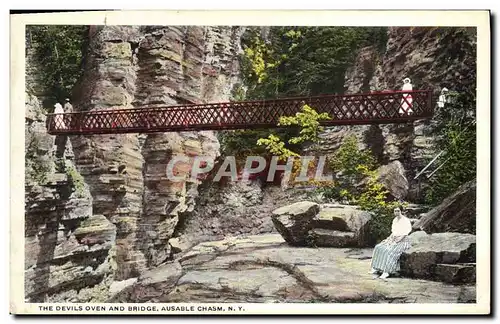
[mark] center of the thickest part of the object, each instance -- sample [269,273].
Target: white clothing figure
[59,118]
[387,253]
[442,97]
[406,102]
[68,107]
[401,225]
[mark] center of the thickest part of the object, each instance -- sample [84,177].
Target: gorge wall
[128,209]
[432,58]
[100,209]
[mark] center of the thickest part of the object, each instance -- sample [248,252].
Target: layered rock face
[150,66]
[432,58]
[112,164]
[457,213]
[225,209]
[69,250]
[101,208]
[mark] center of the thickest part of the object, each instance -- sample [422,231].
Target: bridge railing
[367,108]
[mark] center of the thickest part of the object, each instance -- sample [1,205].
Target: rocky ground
[102,220]
[263,268]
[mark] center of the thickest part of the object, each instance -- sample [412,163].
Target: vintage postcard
[250,162]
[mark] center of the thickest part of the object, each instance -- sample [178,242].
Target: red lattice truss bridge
[352,109]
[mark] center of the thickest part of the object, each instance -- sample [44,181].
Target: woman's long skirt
[406,105]
[386,256]
[59,122]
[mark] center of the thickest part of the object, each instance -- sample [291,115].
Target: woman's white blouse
[401,226]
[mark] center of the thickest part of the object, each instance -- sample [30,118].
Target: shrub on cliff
[295,61]
[356,183]
[456,136]
[58,51]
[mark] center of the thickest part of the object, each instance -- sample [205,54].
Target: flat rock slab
[260,281]
[429,250]
[263,268]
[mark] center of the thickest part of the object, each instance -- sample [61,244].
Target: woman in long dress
[59,117]
[386,254]
[407,101]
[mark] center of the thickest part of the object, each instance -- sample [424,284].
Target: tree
[296,61]
[58,50]
[309,122]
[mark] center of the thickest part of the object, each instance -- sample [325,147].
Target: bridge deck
[352,109]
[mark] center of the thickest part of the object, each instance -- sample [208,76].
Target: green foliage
[58,51]
[308,122]
[238,93]
[75,179]
[351,166]
[457,137]
[297,61]
[37,168]
[256,60]
[304,60]
[374,199]
[356,182]
[241,143]
[276,147]
[352,161]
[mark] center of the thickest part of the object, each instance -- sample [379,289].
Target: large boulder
[456,273]
[294,221]
[330,238]
[440,256]
[392,176]
[341,226]
[457,213]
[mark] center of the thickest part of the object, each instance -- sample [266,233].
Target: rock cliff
[150,66]
[457,213]
[101,212]
[69,249]
[124,210]
[432,58]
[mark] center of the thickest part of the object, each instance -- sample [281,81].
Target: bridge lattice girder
[351,109]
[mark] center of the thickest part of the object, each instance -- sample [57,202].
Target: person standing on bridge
[442,97]
[407,101]
[386,254]
[59,117]
[68,108]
